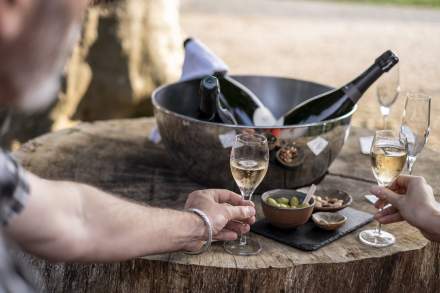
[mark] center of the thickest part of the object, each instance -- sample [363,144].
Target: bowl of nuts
[330,199]
[290,156]
[284,208]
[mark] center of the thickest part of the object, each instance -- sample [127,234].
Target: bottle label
[317,145]
[227,139]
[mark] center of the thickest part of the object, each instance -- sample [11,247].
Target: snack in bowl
[288,153]
[330,199]
[284,202]
[328,202]
[290,156]
[283,208]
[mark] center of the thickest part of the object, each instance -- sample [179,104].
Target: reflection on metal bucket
[201,149]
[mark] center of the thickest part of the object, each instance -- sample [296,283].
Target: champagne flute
[388,89]
[249,162]
[388,158]
[416,125]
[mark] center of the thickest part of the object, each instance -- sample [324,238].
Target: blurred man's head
[36,37]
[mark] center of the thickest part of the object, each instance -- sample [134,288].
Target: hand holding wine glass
[416,125]
[411,199]
[249,162]
[388,158]
[223,208]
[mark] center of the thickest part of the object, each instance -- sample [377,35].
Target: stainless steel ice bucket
[201,149]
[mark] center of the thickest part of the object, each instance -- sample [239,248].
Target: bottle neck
[207,103]
[358,86]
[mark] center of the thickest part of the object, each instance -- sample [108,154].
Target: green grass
[426,3]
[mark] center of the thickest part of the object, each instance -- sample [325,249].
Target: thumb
[240,212]
[386,194]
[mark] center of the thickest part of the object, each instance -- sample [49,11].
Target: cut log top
[118,157]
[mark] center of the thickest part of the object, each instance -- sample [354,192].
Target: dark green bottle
[338,102]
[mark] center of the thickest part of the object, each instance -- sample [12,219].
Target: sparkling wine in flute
[248,174]
[388,162]
[338,102]
[249,162]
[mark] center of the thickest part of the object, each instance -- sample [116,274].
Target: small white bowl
[329,221]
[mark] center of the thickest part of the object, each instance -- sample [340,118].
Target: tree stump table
[118,157]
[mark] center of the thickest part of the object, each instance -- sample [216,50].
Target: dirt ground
[325,42]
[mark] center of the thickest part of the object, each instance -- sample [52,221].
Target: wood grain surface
[118,157]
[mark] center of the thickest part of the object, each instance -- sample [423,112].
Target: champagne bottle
[244,106]
[213,107]
[209,90]
[340,101]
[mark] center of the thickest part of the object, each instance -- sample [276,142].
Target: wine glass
[388,89]
[388,158]
[416,125]
[249,162]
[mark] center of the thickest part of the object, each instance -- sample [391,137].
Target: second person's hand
[411,199]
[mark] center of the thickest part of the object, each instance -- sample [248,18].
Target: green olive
[294,202]
[303,205]
[270,201]
[283,200]
[284,205]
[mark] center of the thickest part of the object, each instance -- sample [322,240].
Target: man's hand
[226,210]
[66,221]
[411,199]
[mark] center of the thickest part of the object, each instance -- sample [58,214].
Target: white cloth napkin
[200,61]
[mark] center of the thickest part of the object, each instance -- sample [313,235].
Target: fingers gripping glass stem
[388,158]
[249,162]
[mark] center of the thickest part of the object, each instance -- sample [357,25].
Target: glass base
[373,238]
[252,247]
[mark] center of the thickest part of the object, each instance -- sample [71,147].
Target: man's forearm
[134,229]
[91,225]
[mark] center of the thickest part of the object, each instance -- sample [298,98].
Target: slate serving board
[309,237]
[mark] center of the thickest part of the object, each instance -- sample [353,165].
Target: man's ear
[13,15]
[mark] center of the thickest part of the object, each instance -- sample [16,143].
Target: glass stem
[379,225]
[410,163]
[385,112]
[246,196]
[242,240]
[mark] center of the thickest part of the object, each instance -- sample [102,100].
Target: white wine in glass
[249,162]
[388,161]
[388,158]
[248,174]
